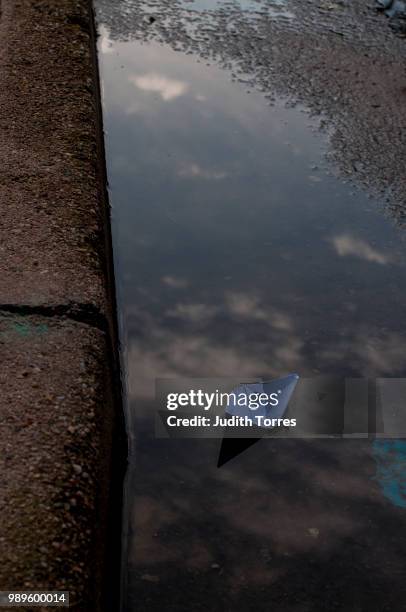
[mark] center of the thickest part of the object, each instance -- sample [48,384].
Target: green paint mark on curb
[27,329]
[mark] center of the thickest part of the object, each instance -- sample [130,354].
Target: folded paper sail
[278,392]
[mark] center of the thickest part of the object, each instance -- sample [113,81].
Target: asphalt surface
[237,258]
[60,395]
[342,60]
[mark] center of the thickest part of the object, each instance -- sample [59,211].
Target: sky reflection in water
[238,254]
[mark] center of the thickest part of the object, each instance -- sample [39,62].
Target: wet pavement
[254,156]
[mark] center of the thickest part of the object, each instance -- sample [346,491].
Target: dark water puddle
[240,253]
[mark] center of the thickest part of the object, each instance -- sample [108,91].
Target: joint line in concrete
[82,313]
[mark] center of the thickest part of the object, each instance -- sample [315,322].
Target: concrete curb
[62,444]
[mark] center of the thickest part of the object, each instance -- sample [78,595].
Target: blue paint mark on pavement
[390,457]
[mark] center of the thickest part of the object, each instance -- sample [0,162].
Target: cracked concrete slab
[51,225]
[55,415]
[61,433]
